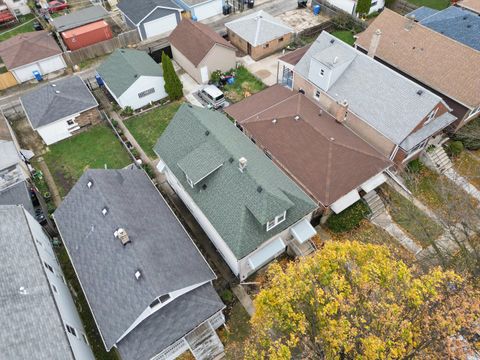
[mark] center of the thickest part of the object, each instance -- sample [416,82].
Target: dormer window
[278,220]
[431,116]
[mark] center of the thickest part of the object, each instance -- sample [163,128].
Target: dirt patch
[63,182]
[27,137]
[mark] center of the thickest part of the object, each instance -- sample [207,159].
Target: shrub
[363,6]
[215,77]
[415,166]
[148,169]
[227,296]
[469,135]
[128,111]
[173,85]
[348,219]
[454,148]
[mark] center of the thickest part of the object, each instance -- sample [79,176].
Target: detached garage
[150,17]
[201,9]
[27,53]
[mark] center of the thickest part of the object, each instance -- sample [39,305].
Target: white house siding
[214,236]
[19,7]
[44,66]
[160,26]
[207,9]
[64,301]
[130,96]
[57,130]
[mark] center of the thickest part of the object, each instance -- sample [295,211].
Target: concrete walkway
[385,222]
[244,298]
[462,183]
[47,175]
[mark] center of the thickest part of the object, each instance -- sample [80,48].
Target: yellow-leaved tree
[355,301]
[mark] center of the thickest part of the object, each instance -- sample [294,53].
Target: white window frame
[278,220]
[431,116]
[317,94]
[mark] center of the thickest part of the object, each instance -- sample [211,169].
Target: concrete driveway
[190,87]
[265,69]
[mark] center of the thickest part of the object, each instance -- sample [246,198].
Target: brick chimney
[374,43]
[342,111]
[409,22]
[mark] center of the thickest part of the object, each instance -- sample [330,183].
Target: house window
[71,330]
[431,116]
[266,45]
[278,220]
[70,122]
[154,303]
[164,298]
[48,267]
[417,147]
[317,94]
[146,93]
[322,72]
[281,39]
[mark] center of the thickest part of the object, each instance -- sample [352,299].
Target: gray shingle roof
[173,321]
[31,324]
[384,99]
[18,194]
[457,23]
[124,67]
[136,10]
[159,248]
[57,100]
[79,18]
[258,28]
[9,155]
[238,204]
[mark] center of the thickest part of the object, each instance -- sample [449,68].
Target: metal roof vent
[90,184]
[320,112]
[259,189]
[274,121]
[22,290]
[122,235]
[419,92]
[242,164]
[104,211]
[53,85]
[207,133]
[332,41]
[204,186]
[231,160]
[138,274]
[57,92]
[297,117]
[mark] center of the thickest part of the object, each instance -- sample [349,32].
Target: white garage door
[208,9]
[160,26]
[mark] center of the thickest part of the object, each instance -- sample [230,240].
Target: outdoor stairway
[302,249]
[375,204]
[440,159]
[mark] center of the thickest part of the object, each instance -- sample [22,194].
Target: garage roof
[137,10]
[79,18]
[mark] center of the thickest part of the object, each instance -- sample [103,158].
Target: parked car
[213,96]
[56,6]
[37,26]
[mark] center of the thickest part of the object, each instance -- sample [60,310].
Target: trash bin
[194,18]
[37,75]
[316,10]
[250,4]
[227,9]
[302,4]
[99,80]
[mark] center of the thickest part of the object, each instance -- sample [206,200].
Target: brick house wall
[260,51]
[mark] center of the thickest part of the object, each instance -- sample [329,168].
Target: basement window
[317,95]
[70,122]
[280,39]
[146,93]
[265,46]
[278,220]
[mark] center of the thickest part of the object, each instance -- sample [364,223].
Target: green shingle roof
[124,67]
[238,204]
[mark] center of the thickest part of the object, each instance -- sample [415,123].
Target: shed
[79,18]
[87,35]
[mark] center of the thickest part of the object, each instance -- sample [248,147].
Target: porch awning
[303,231]
[266,254]
[345,201]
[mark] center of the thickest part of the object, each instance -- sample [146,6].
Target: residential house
[27,53]
[39,317]
[147,285]
[132,78]
[17,7]
[389,111]
[436,62]
[150,17]
[250,210]
[259,34]
[472,5]
[455,22]
[200,51]
[201,9]
[311,146]
[350,6]
[60,109]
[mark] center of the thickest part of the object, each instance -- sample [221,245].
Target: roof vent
[207,133]
[419,92]
[469,26]
[53,85]
[465,17]
[332,41]
[297,117]
[332,139]
[204,186]
[138,274]
[57,92]
[259,189]
[274,121]
[242,164]
[122,235]
[231,160]
[335,60]
[104,211]
[320,112]
[90,184]
[22,290]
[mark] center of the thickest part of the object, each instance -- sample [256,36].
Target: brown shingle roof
[294,57]
[27,48]
[194,40]
[435,60]
[323,156]
[473,5]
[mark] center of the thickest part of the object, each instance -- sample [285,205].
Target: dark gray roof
[79,18]
[136,10]
[455,22]
[173,321]
[31,324]
[9,155]
[57,100]
[238,204]
[160,248]
[18,194]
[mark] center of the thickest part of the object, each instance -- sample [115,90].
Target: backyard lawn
[245,84]
[25,25]
[236,332]
[345,35]
[434,4]
[96,148]
[148,127]
[468,165]
[411,219]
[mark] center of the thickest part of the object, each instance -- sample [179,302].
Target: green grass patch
[468,165]
[83,309]
[23,26]
[433,4]
[236,332]
[245,84]
[96,148]
[348,219]
[345,36]
[148,127]
[411,219]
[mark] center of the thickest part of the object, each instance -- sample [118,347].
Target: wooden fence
[403,7]
[7,80]
[339,16]
[102,48]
